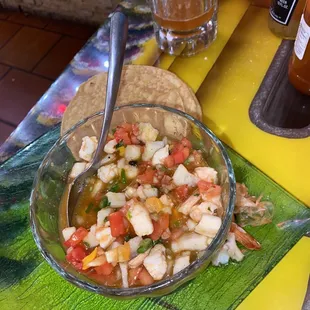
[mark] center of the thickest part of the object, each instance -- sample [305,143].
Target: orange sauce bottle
[299,66]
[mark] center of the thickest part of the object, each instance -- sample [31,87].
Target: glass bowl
[50,181]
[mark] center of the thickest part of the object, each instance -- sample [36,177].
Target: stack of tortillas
[139,84]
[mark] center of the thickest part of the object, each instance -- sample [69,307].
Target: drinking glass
[184,27]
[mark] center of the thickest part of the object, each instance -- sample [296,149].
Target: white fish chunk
[117,200]
[104,236]
[107,173]
[134,244]
[90,238]
[132,152]
[209,225]
[151,148]
[140,219]
[182,177]
[102,215]
[68,232]
[180,263]
[77,169]
[89,146]
[147,133]
[155,263]
[146,191]
[109,148]
[190,242]
[160,155]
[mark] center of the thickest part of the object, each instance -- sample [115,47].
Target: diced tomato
[145,278]
[121,134]
[135,129]
[104,269]
[126,126]
[166,180]
[125,209]
[77,237]
[204,186]
[120,239]
[186,143]
[76,255]
[117,224]
[134,140]
[214,191]
[176,233]
[182,192]
[178,147]
[178,157]
[133,275]
[169,161]
[186,152]
[109,280]
[147,177]
[160,226]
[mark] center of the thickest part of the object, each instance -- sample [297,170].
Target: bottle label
[302,38]
[282,10]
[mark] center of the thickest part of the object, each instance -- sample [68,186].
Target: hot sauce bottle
[284,17]
[299,66]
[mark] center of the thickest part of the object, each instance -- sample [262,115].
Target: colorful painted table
[225,78]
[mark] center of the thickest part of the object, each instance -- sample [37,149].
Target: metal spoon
[118,38]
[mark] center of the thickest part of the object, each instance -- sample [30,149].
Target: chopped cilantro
[105,219]
[187,161]
[113,131]
[119,144]
[123,176]
[129,215]
[86,244]
[127,238]
[144,245]
[159,241]
[90,206]
[104,202]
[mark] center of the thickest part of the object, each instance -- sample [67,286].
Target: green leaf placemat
[28,282]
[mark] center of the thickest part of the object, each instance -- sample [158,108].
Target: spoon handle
[118,38]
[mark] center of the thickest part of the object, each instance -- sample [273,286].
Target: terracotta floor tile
[4,14]
[58,58]
[28,20]
[5,131]
[33,43]
[3,70]
[7,31]
[19,91]
[75,30]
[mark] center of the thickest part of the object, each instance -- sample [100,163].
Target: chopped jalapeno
[144,245]
[114,187]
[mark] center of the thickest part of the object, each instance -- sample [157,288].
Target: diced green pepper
[123,176]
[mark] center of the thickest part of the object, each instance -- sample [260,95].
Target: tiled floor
[33,53]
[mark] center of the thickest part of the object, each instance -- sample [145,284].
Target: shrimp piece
[244,238]
[187,205]
[138,260]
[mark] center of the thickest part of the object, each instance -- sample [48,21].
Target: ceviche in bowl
[157,211]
